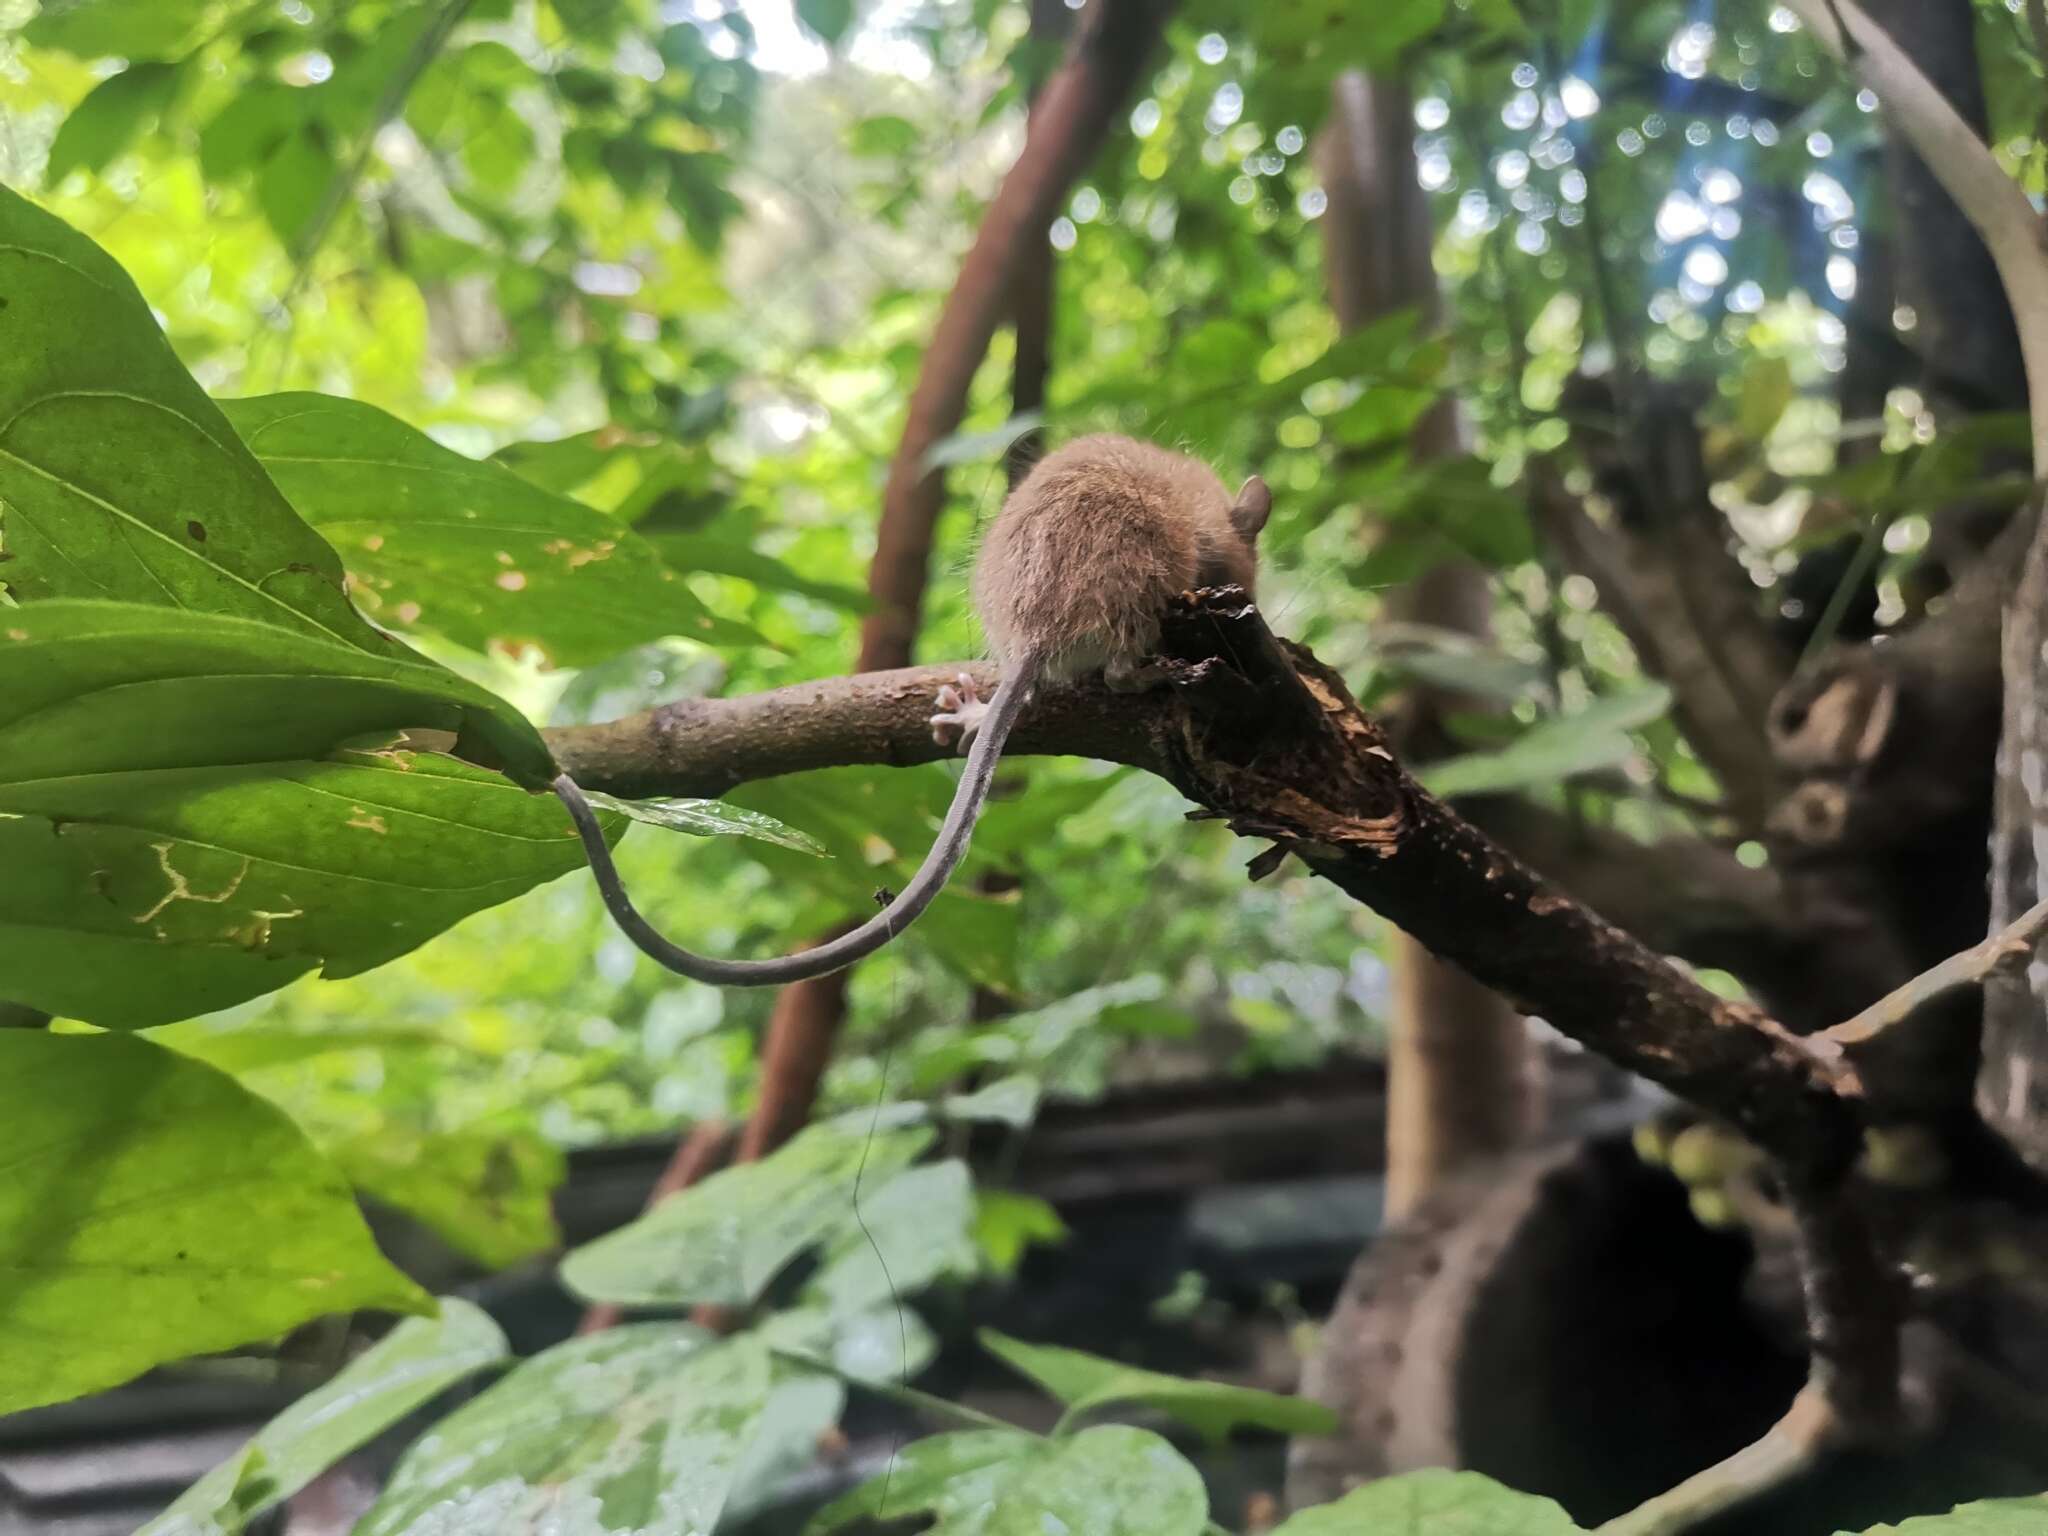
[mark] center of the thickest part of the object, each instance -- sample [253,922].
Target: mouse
[1073,578]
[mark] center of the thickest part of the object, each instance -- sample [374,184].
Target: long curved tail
[946,852]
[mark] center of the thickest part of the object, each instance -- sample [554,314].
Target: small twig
[1786,1449]
[2008,949]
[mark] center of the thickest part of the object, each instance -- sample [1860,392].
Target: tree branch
[1785,1450]
[2007,950]
[1272,741]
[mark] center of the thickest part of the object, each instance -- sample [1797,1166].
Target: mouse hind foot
[960,713]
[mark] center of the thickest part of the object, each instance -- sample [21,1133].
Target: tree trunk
[1459,1060]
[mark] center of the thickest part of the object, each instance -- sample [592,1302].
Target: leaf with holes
[465,547]
[120,480]
[1086,1383]
[404,1370]
[1109,1481]
[637,1431]
[149,1188]
[723,1240]
[181,832]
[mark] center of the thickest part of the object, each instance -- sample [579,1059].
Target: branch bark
[1272,741]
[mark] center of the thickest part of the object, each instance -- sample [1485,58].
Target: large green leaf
[914,1229]
[1087,1383]
[1594,738]
[179,837]
[1987,1517]
[723,1240]
[490,1196]
[464,547]
[118,477]
[146,898]
[637,1431]
[1433,1503]
[155,1209]
[1108,1481]
[404,1370]
[99,687]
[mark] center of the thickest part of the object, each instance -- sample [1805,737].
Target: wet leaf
[151,1188]
[1107,1481]
[640,1430]
[1433,1503]
[723,1240]
[1087,1383]
[404,1370]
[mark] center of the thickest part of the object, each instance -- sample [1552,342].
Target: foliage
[149,1188]
[404,1370]
[1433,1503]
[382,382]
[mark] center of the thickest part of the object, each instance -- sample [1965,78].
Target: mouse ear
[1248,515]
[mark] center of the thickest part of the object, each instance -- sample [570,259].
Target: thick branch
[1273,742]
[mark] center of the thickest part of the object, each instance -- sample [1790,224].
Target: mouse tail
[947,850]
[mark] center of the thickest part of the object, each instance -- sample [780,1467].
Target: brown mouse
[1074,576]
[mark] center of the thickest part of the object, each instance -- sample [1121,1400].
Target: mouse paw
[960,713]
[1124,675]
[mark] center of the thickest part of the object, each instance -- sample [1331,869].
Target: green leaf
[491,1196]
[1007,1223]
[886,1343]
[1087,1383]
[178,836]
[99,687]
[1766,389]
[1108,1481]
[723,557]
[118,477]
[723,1240]
[1009,1101]
[912,1230]
[465,547]
[133,29]
[883,136]
[1558,749]
[147,1187]
[407,1368]
[291,185]
[1987,1517]
[828,18]
[636,1431]
[708,818]
[109,118]
[1432,1503]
